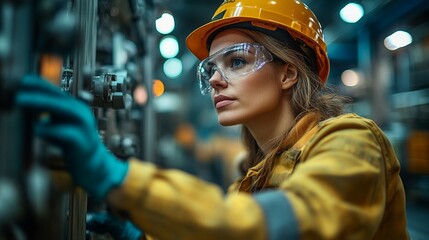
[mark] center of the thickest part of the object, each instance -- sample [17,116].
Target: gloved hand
[72,127]
[119,229]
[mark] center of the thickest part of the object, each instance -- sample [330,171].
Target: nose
[218,81]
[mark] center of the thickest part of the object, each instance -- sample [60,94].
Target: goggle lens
[232,62]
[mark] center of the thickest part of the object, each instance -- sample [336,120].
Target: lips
[222,101]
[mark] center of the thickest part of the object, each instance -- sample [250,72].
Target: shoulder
[348,118]
[349,121]
[347,131]
[347,136]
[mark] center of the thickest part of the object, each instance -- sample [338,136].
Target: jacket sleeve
[339,191]
[170,204]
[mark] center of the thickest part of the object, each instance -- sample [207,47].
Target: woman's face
[251,99]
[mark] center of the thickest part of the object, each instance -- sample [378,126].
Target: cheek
[261,94]
[263,87]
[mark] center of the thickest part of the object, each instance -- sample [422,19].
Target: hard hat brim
[197,39]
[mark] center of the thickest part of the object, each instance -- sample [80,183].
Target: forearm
[172,204]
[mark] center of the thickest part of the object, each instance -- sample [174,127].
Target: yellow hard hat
[291,15]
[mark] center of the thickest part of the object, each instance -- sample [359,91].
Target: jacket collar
[296,139]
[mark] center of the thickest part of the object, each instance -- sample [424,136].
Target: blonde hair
[309,94]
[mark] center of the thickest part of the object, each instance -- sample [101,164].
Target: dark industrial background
[178,128]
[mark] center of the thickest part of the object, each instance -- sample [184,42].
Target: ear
[289,76]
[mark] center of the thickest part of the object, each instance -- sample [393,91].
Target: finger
[60,107]
[96,223]
[64,134]
[35,82]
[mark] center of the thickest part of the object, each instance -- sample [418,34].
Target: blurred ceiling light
[351,13]
[158,87]
[397,40]
[172,67]
[169,47]
[165,24]
[350,78]
[140,95]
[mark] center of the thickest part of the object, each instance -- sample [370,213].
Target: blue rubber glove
[71,126]
[119,229]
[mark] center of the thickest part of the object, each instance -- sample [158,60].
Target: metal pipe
[84,69]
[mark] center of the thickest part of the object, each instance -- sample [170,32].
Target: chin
[226,124]
[228,121]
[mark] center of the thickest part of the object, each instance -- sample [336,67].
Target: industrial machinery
[95,51]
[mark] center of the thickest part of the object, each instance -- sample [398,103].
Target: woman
[310,173]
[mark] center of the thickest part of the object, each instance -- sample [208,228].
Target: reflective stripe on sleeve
[280,218]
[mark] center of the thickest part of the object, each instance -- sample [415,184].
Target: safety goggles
[232,62]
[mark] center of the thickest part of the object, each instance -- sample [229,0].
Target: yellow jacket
[336,179]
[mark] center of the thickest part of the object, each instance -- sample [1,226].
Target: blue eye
[237,62]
